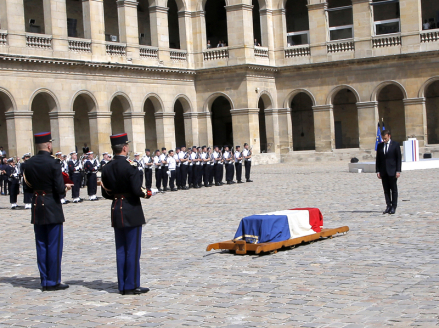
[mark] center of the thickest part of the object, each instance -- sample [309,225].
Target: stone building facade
[293,76]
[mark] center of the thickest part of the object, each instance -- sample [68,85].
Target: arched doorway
[264,147]
[257,35]
[345,120]
[144,22]
[150,125]
[180,138]
[173,28]
[42,104]
[222,128]
[5,106]
[82,105]
[432,109]
[216,22]
[119,105]
[391,110]
[302,118]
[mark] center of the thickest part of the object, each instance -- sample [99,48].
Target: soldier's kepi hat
[119,139]
[43,137]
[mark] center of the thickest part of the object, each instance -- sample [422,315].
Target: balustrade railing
[388,41]
[40,41]
[216,53]
[178,55]
[79,45]
[261,51]
[116,49]
[340,46]
[3,37]
[429,36]
[149,52]
[297,51]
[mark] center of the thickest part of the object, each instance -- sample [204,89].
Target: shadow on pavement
[108,286]
[25,282]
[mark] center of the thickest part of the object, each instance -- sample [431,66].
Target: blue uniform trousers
[49,243]
[128,249]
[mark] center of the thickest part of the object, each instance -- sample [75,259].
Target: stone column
[267,33]
[411,24]
[63,131]
[280,26]
[191,129]
[199,37]
[20,136]
[272,128]
[159,30]
[318,34]
[14,16]
[240,33]
[416,119]
[100,128]
[245,125]
[205,133]
[94,26]
[165,130]
[285,130]
[55,24]
[128,26]
[362,28]
[324,128]
[134,125]
[367,124]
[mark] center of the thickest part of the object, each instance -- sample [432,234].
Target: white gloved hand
[154,191]
[168,173]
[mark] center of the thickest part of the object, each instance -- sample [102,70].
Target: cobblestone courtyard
[384,272]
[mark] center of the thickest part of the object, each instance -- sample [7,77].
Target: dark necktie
[386,148]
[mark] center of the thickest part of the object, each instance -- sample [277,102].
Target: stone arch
[301,103]
[83,103]
[49,96]
[7,104]
[425,85]
[334,92]
[345,114]
[295,92]
[124,99]
[202,4]
[220,106]
[185,102]
[391,109]
[209,101]
[156,102]
[120,103]
[266,97]
[8,100]
[265,102]
[431,95]
[382,85]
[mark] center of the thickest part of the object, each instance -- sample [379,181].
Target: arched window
[386,16]
[222,122]
[297,20]
[340,19]
[430,14]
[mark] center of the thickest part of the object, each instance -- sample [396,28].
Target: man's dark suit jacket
[389,163]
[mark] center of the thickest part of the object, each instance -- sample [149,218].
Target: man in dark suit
[121,182]
[388,168]
[43,176]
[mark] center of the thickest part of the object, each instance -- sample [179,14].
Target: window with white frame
[296,12]
[430,14]
[340,19]
[386,16]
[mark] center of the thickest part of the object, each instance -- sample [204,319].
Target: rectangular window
[297,38]
[340,22]
[386,16]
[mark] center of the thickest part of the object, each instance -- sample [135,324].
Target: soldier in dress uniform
[229,163]
[75,169]
[3,176]
[218,158]
[158,170]
[238,164]
[27,192]
[91,167]
[163,158]
[184,164]
[177,168]
[190,168]
[43,176]
[205,162]
[247,153]
[211,166]
[147,163]
[139,166]
[105,160]
[196,167]
[14,182]
[172,166]
[121,183]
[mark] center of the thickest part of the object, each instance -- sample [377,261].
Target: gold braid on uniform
[132,162]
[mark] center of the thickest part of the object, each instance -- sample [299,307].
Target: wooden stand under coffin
[242,247]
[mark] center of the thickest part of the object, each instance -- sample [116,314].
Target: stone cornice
[265,12]
[199,13]
[127,3]
[414,101]
[317,6]
[189,115]
[284,110]
[158,9]
[133,114]
[241,6]
[61,114]
[164,114]
[184,14]
[96,115]
[244,111]
[279,12]
[322,108]
[367,104]
[272,111]
[12,115]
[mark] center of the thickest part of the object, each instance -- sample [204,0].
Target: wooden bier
[242,247]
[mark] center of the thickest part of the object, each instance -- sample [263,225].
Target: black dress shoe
[217,184]
[221,183]
[135,291]
[228,182]
[232,182]
[185,188]
[392,210]
[239,181]
[56,287]
[387,210]
[175,189]
[249,180]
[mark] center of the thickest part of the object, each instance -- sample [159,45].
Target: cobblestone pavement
[384,272]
